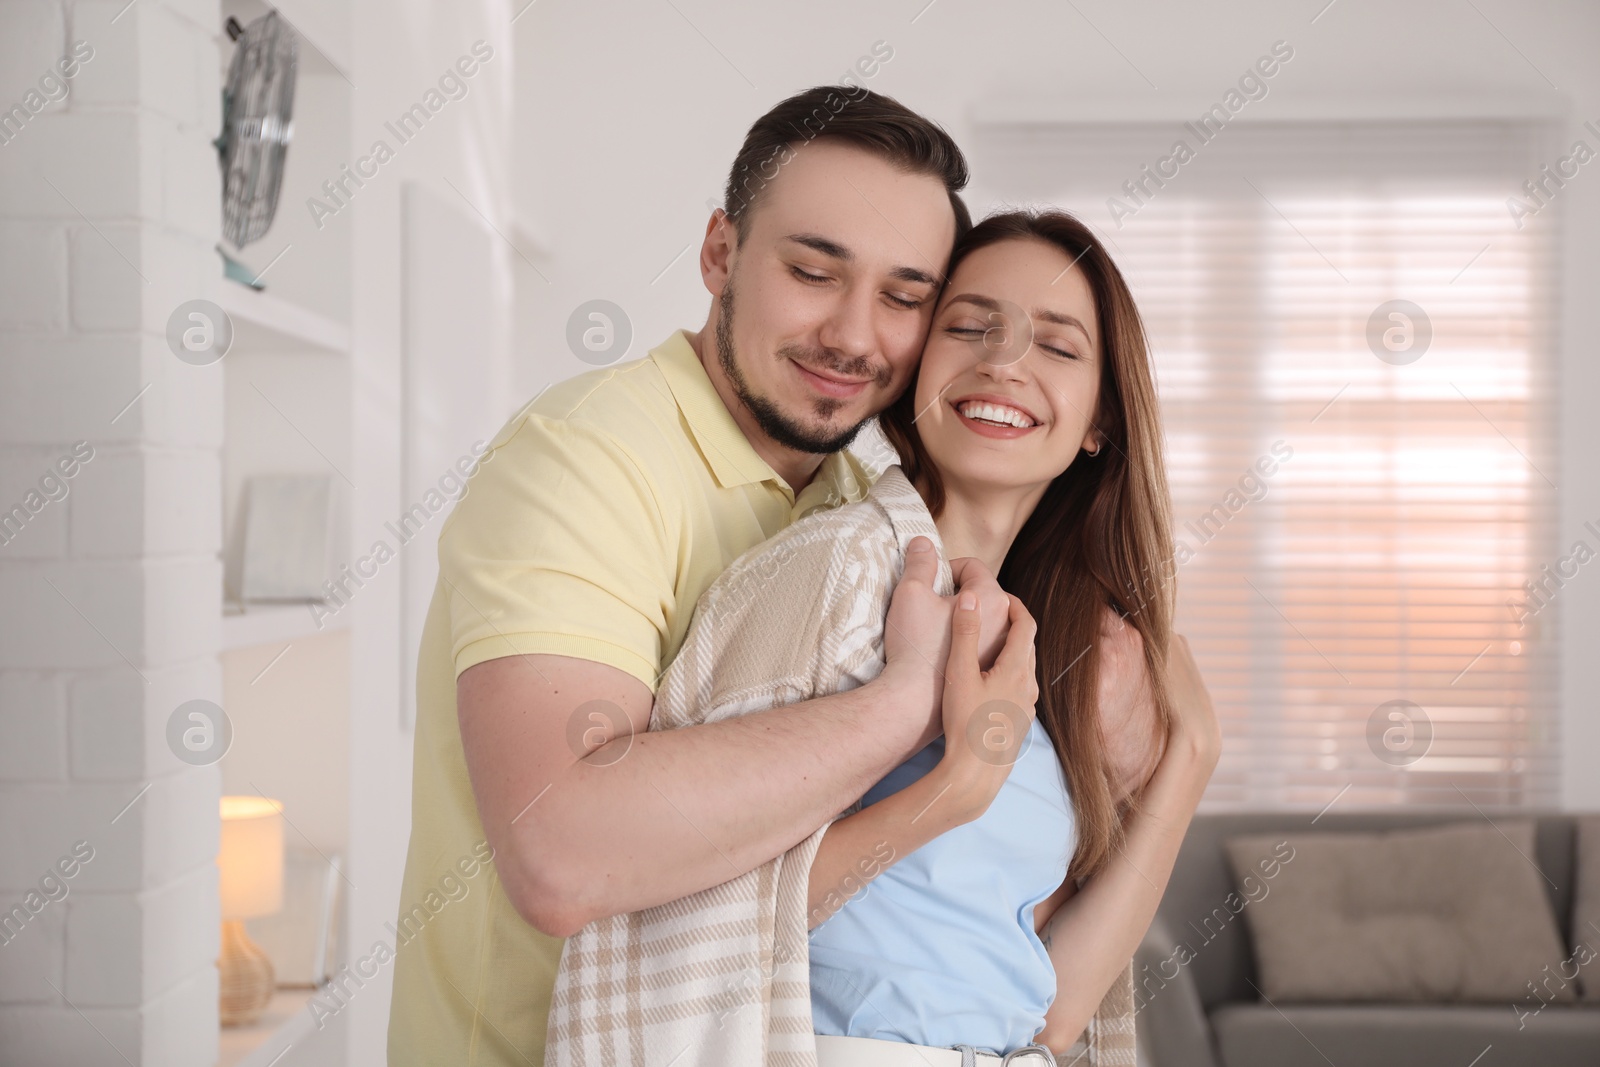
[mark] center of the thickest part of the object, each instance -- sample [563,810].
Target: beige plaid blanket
[722,977]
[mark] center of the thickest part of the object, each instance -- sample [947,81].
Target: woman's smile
[994,416]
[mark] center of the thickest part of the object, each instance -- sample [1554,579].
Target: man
[569,572]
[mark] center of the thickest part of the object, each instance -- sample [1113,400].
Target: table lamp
[251,865]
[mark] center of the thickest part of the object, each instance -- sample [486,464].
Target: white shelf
[285,1024]
[246,626]
[266,323]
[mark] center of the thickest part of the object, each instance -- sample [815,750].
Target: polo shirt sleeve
[559,547]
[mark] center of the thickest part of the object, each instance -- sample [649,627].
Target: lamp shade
[251,857]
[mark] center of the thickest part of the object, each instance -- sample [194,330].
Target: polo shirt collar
[840,480]
[727,451]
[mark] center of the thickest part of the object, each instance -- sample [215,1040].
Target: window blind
[1361,487]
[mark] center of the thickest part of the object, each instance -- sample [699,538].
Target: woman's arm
[859,847]
[1094,932]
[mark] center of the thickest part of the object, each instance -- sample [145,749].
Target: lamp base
[247,978]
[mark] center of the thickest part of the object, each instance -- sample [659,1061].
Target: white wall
[398,52]
[630,112]
[108,211]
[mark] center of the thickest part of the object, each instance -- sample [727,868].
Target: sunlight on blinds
[1353,370]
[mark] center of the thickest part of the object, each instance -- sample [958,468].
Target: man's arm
[959,788]
[581,832]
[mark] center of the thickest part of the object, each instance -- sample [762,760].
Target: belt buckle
[1023,1057]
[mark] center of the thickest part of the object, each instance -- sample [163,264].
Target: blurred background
[238,402]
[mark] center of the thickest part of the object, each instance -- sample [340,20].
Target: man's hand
[916,640]
[1133,745]
[1194,720]
[1128,714]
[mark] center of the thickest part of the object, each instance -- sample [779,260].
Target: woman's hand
[980,709]
[987,714]
[917,630]
[994,606]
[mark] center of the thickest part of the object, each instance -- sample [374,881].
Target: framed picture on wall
[288,536]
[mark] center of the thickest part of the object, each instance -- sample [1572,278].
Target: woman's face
[1010,376]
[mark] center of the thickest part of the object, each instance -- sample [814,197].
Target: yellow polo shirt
[600,513]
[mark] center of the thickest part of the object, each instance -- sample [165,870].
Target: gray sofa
[1211,1015]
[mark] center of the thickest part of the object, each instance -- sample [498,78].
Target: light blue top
[939,949]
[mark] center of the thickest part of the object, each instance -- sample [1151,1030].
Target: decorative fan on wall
[257,123]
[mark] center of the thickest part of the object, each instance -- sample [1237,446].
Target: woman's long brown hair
[1100,535]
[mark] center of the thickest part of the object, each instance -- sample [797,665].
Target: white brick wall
[33,727]
[108,215]
[179,492]
[107,289]
[92,157]
[66,388]
[28,535]
[33,276]
[164,1032]
[40,961]
[116,722]
[33,28]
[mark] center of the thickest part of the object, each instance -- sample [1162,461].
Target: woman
[1015,862]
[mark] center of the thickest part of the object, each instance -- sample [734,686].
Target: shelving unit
[286,1026]
[288,410]
[263,322]
[250,625]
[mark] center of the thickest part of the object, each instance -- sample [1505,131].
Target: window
[1351,340]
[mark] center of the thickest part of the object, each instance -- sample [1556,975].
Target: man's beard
[773,422]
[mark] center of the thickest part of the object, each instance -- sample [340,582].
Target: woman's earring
[1097,447]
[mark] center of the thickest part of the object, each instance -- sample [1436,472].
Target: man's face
[822,311]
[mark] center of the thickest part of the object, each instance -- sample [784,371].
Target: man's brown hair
[855,115]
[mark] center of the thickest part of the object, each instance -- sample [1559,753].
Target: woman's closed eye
[973,332]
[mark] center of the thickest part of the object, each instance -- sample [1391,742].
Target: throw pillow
[1452,913]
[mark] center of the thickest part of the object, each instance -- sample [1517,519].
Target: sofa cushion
[1259,1035]
[1586,909]
[1446,914]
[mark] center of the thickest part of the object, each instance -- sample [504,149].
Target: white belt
[834,1051]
